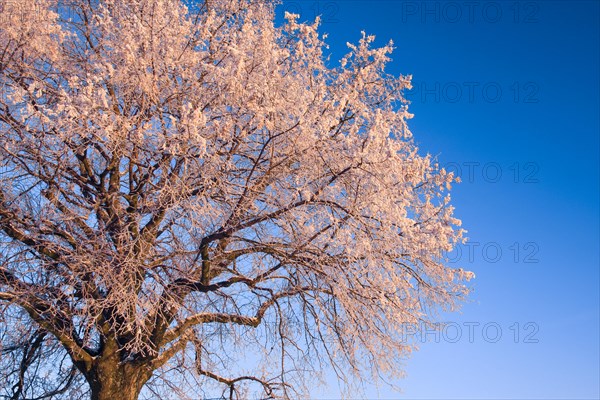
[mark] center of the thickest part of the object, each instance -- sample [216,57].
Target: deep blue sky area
[506,94]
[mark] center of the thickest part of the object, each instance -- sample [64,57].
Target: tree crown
[179,184]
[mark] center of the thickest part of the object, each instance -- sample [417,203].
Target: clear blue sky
[507,94]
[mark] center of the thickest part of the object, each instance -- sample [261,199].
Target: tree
[185,188]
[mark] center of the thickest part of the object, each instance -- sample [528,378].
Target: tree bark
[110,381]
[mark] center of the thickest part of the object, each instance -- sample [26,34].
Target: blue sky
[507,95]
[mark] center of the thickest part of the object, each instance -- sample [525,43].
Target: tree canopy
[193,200]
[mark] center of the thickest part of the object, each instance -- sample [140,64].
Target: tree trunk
[115,392]
[111,381]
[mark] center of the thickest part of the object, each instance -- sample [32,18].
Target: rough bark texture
[110,381]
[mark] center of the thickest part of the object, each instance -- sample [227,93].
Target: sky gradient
[506,94]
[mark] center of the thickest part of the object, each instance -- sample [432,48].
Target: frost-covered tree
[193,201]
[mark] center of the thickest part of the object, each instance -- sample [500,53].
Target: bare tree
[193,195]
